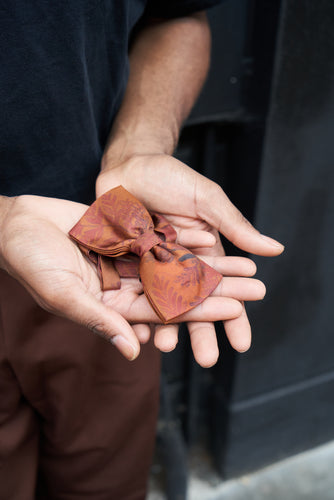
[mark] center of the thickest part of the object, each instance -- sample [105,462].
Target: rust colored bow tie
[116,224]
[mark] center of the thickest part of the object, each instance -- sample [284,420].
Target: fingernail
[271,241]
[124,347]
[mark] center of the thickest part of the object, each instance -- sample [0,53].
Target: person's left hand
[167,186]
[36,250]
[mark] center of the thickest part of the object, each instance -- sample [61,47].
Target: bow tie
[117,224]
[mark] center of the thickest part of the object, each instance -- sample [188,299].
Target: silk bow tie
[174,280]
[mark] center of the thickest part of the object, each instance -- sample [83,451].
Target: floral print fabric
[121,237]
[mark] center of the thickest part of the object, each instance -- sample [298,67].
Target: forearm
[169,61]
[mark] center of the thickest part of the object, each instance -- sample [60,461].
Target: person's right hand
[36,250]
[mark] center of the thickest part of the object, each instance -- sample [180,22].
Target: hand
[36,250]
[189,200]
[202,334]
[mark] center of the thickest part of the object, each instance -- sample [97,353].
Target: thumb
[85,309]
[214,206]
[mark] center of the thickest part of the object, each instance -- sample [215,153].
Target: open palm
[38,253]
[197,207]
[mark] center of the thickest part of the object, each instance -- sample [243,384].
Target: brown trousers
[77,421]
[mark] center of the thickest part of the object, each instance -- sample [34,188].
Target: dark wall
[282,389]
[263,129]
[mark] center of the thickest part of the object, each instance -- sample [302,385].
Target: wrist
[127,172]
[125,143]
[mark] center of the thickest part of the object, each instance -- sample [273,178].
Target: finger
[197,196]
[211,309]
[203,343]
[231,266]
[216,251]
[215,207]
[142,331]
[195,238]
[166,337]
[240,289]
[238,332]
[85,309]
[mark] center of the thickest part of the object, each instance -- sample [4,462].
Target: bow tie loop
[144,243]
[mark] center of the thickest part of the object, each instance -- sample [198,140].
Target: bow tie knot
[144,243]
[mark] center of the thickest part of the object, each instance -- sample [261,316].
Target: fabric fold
[121,237]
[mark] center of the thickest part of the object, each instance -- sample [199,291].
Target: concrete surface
[307,476]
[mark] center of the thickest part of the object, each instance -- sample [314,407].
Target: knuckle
[240,223]
[93,325]
[97,327]
[215,191]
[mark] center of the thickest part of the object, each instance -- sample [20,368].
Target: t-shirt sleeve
[175,8]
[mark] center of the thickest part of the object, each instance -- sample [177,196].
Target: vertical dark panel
[281,400]
[275,400]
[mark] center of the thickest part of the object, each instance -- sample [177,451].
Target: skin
[36,250]
[168,64]
[169,61]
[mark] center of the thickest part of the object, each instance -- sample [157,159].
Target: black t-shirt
[64,70]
